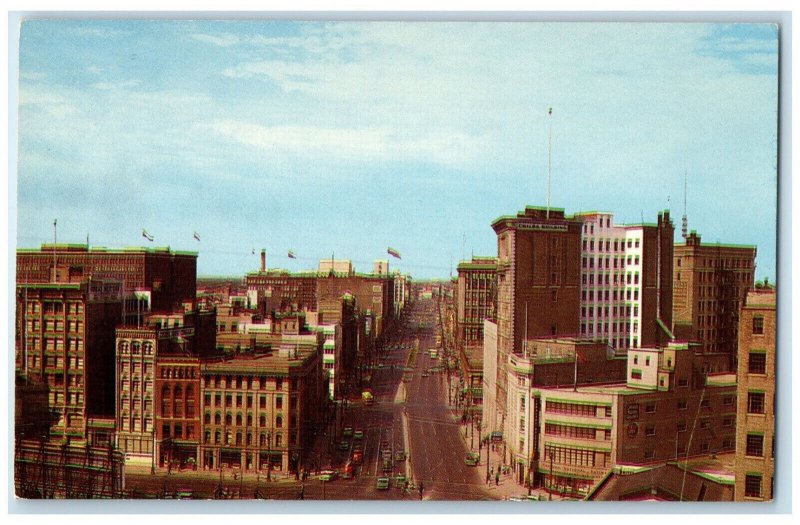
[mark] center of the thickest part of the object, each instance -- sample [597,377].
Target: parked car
[399,455]
[382,484]
[358,434]
[347,432]
[387,465]
[343,445]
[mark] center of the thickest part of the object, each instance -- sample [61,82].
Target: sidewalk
[504,486]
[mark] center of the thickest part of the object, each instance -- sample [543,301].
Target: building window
[681,426]
[727,421]
[650,430]
[636,374]
[757,364]
[752,486]
[758,325]
[755,445]
[650,408]
[755,402]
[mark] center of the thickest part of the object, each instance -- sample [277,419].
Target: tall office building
[626,280]
[709,288]
[538,286]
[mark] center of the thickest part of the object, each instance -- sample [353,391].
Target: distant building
[340,266]
[380,267]
[163,278]
[476,298]
[626,280]
[710,285]
[755,415]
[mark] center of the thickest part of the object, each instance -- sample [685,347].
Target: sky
[347,138]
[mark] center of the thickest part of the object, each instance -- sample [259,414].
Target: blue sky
[347,138]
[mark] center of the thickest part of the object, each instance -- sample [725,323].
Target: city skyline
[346,138]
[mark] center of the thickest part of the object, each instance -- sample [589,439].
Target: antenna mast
[549,156]
[684,220]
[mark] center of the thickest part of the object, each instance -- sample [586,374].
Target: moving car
[399,455]
[358,434]
[471,459]
[382,484]
[328,475]
[343,445]
[347,432]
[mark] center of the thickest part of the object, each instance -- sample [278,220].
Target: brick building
[65,341]
[671,407]
[149,359]
[164,278]
[710,284]
[755,415]
[476,298]
[259,408]
[538,286]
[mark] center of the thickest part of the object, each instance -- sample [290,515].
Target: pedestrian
[497,479]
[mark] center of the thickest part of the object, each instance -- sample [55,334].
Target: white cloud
[116,85]
[221,40]
[365,145]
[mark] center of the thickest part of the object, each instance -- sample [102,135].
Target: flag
[550,112]
[291,255]
[147,235]
[393,252]
[253,252]
[197,236]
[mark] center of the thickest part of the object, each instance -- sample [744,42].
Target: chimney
[263,260]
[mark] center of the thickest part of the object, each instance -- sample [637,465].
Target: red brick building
[710,285]
[177,402]
[167,276]
[538,287]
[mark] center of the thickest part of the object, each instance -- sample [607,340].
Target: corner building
[755,414]
[538,287]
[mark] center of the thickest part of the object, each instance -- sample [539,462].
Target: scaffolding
[48,470]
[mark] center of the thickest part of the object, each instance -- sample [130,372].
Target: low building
[672,406]
[259,408]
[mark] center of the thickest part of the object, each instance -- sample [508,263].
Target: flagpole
[575,380]
[549,155]
[55,241]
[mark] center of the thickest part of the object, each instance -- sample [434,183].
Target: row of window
[604,295]
[265,439]
[240,420]
[243,382]
[573,432]
[576,456]
[619,244]
[560,407]
[720,263]
[241,400]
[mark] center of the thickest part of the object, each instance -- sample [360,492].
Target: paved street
[411,417]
